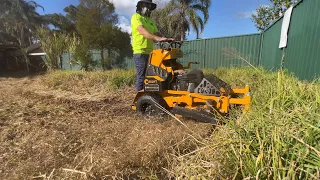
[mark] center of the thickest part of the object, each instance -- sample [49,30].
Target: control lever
[189,65]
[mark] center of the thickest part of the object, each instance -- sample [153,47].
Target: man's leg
[141,61]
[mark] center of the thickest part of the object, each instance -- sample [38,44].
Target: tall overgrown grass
[277,139]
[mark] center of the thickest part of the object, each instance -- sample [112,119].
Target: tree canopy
[92,24]
[19,20]
[266,14]
[96,25]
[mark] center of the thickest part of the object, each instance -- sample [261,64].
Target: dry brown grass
[57,134]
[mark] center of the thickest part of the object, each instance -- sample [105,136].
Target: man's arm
[161,35]
[148,35]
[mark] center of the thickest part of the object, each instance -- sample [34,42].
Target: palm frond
[203,9]
[206,3]
[195,21]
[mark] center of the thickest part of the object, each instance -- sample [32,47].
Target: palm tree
[164,24]
[183,15]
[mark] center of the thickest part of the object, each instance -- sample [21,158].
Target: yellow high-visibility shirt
[140,44]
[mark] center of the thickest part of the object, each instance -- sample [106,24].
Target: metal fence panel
[194,51]
[302,53]
[271,55]
[223,52]
[129,63]
[233,51]
[301,56]
[67,64]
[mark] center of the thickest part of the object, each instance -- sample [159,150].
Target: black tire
[148,105]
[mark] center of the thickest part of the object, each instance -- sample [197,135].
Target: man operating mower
[144,33]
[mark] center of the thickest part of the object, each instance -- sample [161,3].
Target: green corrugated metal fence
[217,52]
[96,56]
[270,52]
[128,63]
[194,51]
[301,56]
[223,52]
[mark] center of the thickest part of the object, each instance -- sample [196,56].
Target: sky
[227,17]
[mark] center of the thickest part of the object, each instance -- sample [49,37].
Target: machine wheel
[147,105]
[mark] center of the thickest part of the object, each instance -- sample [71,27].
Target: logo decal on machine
[150,81]
[206,88]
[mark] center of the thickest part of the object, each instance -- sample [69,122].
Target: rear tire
[148,105]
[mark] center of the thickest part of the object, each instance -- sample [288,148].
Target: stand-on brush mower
[168,85]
